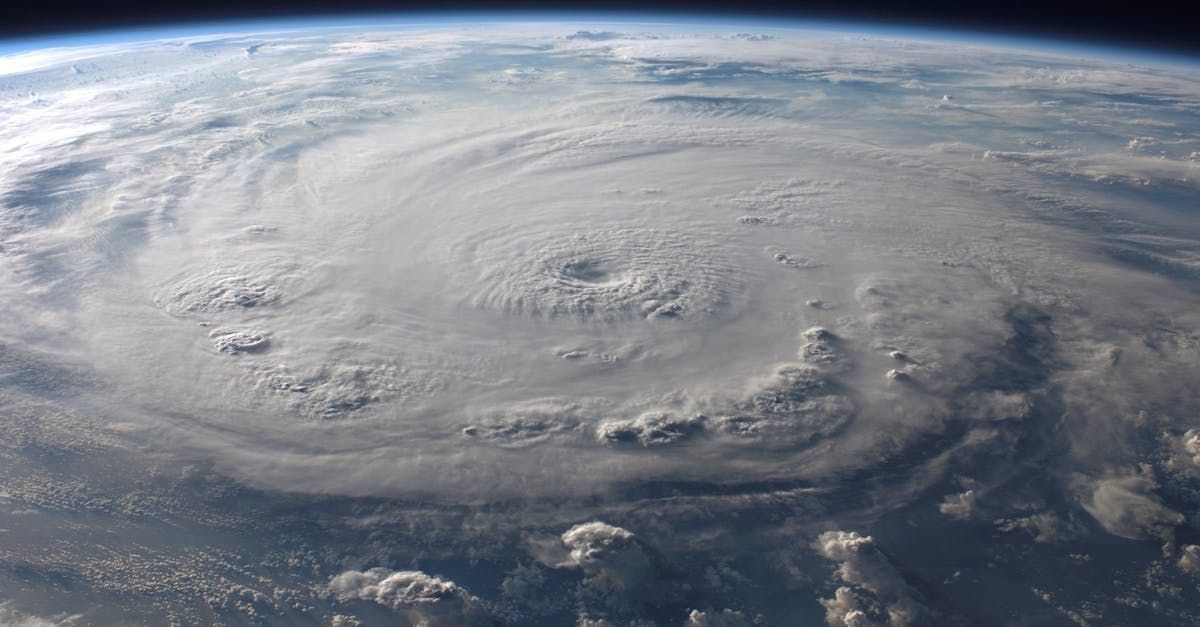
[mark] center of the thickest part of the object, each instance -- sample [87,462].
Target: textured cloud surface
[606,325]
[416,597]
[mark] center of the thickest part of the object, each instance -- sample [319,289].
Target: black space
[1156,25]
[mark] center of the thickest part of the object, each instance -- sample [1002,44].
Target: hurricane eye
[587,271]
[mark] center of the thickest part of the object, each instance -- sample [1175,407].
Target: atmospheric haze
[624,324]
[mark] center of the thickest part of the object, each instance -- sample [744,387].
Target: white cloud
[867,570]
[1128,507]
[1189,559]
[959,506]
[717,618]
[346,264]
[604,551]
[11,617]
[650,429]
[420,598]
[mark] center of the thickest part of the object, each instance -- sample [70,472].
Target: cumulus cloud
[1189,443]
[607,552]
[848,609]
[1189,559]
[959,506]
[419,598]
[823,349]
[715,618]
[650,429]
[220,290]
[623,580]
[234,342]
[874,586]
[797,405]
[1043,526]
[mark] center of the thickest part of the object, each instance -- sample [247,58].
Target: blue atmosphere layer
[375,21]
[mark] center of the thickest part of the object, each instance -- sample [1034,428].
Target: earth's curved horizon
[543,323]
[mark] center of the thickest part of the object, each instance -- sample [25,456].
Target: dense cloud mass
[605,324]
[1128,507]
[601,549]
[866,571]
[414,596]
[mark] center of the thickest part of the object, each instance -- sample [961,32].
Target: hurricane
[551,323]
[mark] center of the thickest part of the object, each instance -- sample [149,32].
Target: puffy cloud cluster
[959,505]
[622,577]
[1042,526]
[221,290]
[848,609]
[821,349]
[875,592]
[421,599]
[714,618]
[796,405]
[237,341]
[1189,559]
[650,429]
[604,551]
[1188,446]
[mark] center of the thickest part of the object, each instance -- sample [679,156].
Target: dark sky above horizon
[1151,24]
